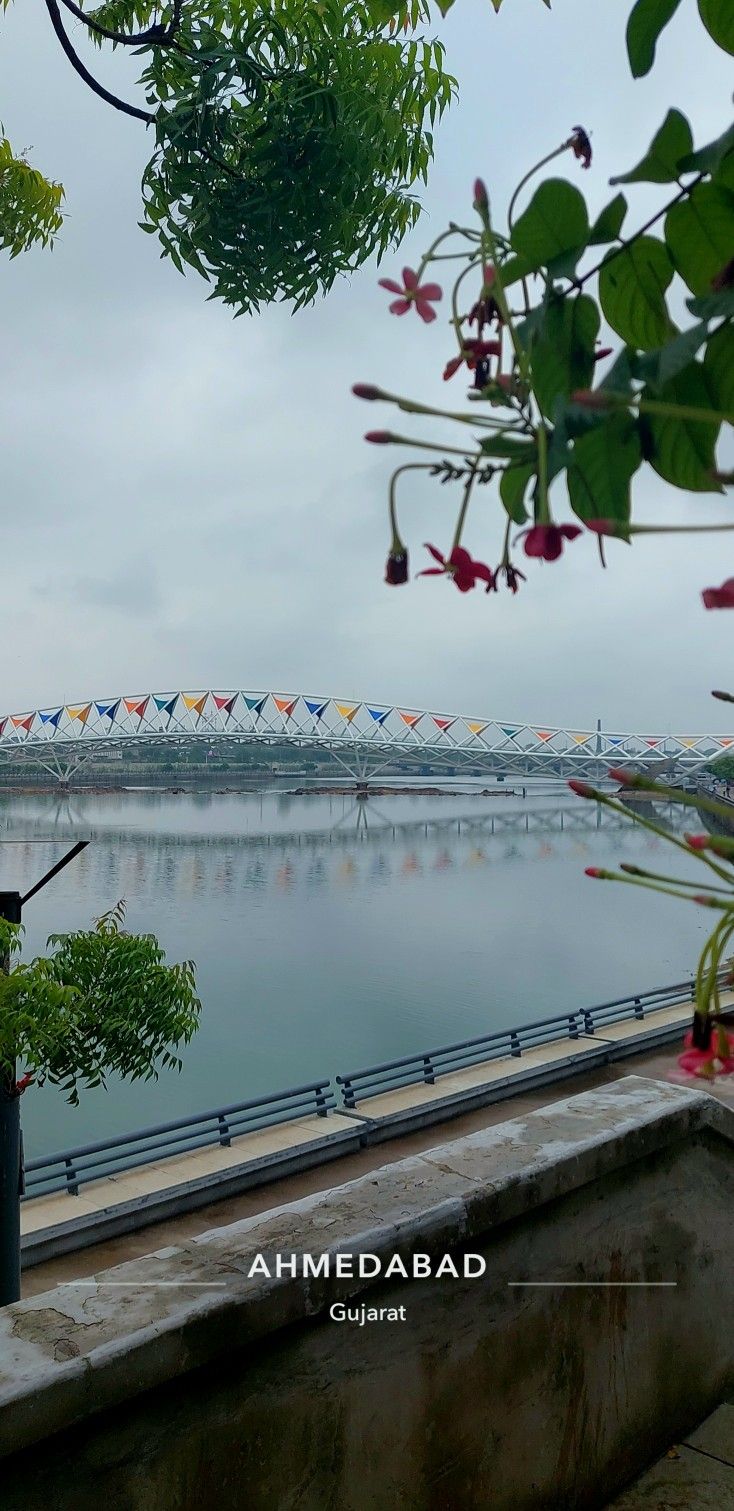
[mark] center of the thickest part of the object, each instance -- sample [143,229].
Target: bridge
[364,739]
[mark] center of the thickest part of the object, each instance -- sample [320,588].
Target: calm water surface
[329,935]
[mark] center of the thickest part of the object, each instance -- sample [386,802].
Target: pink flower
[459,565]
[719,598]
[717,1059]
[546,541]
[422,295]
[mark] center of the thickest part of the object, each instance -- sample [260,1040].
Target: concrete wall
[488,1395]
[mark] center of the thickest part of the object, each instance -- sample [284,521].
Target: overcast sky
[188,501]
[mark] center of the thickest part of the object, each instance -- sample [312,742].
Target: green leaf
[682,451]
[563,357]
[707,158]
[554,229]
[660,165]
[632,286]
[507,445]
[700,235]
[513,487]
[647,20]
[608,225]
[601,468]
[658,367]
[718,18]
[444,6]
[711,306]
[718,366]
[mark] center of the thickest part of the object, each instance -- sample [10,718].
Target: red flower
[396,570]
[719,598]
[717,1059]
[459,565]
[22,1084]
[423,296]
[473,352]
[546,541]
[581,146]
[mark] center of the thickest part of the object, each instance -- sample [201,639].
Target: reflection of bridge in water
[357,826]
[365,740]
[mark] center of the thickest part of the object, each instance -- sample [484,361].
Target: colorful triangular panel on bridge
[137,705]
[347,710]
[614,739]
[725,742]
[195,702]
[255,705]
[82,714]
[581,739]
[509,732]
[285,705]
[688,743]
[22,721]
[317,709]
[166,704]
[52,718]
[378,714]
[108,710]
[442,724]
[225,704]
[652,742]
[3,722]
[410,719]
[476,729]
[543,734]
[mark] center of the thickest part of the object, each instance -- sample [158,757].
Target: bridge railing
[71,1168]
[427,1068]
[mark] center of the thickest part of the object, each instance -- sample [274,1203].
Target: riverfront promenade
[652,1063]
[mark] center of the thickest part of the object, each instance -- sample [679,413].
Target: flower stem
[557,151]
[464,506]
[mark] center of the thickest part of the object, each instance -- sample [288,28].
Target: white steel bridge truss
[365,739]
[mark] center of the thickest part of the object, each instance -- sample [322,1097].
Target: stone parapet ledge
[84,1348]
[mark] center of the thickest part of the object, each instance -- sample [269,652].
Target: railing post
[11,1178]
[428,1073]
[72,1185]
[515,1048]
[321,1108]
[347,1093]
[573,1028]
[224,1137]
[639,1009]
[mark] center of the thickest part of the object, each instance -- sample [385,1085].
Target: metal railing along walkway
[71,1168]
[426,1068]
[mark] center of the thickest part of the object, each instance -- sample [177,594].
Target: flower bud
[624,777]
[379,437]
[582,789]
[366,391]
[596,873]
[480,192]
[697,841]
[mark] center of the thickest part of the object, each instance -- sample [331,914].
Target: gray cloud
[216,467]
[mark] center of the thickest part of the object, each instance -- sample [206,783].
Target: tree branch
[93,84]
[578,283]
[158,35]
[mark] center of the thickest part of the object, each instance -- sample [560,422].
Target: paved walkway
[278,1193]
[695,1475]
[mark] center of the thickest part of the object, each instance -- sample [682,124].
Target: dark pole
[10,1151]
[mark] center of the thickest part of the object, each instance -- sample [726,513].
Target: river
[330,935]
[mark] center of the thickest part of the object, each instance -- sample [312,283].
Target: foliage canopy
[288,134]
[104,1002]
